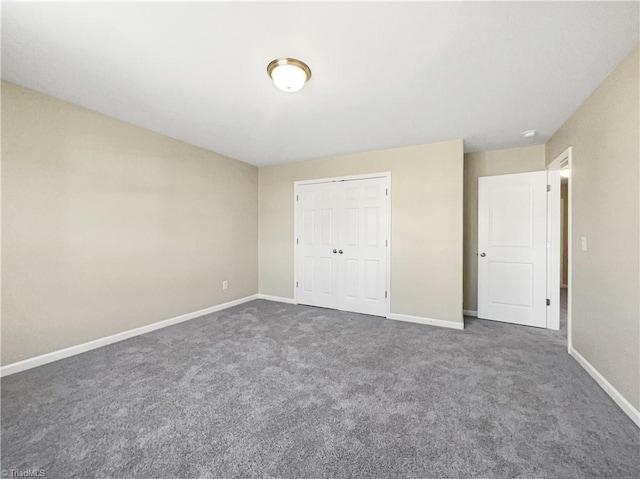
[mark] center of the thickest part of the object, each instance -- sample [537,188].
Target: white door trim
[371,176]
[566,158]
[554,247]
[296,184]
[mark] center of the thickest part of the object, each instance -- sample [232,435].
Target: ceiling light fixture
[529,133]
[289,74]
[565,173]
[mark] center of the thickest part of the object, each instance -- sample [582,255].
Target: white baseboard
[470,312]
[429,321]
[618,398]
[397,317]
[114,338]
[278,299]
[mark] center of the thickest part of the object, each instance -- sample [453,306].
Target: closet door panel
[363,241]
[317,265]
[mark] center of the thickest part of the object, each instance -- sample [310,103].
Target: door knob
[482,255]
[340,251]
[335,251]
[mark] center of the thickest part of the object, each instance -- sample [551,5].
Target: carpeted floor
[563,311]
[273,390]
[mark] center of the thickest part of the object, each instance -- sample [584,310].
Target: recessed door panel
[351,193]
[511,284]
[309,197]
[308,274]
[372,225]
[351,278]
[511,216]
[371,280]
[372,192]
[326,227]
[351,227]
[308,231]
[326,275]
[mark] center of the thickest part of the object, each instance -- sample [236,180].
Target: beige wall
[604,135]
[108,227]
[488,163]
[426,231]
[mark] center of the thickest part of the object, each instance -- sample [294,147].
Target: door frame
[337,179]
[564,158]
[554,247]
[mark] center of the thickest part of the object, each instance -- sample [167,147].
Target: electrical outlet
[225,284]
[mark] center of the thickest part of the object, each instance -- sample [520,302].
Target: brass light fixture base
[289,61]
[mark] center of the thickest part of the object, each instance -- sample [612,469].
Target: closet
[342,243]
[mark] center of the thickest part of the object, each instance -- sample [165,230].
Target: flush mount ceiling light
[289,74]
[529,133]
[566,173]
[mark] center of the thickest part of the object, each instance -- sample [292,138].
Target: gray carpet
[563,311]
[273,390]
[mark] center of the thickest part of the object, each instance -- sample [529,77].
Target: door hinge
[386,191]
[385,294]
[296,284]
[386,243]
[297,241]
[548,302]
[548,187]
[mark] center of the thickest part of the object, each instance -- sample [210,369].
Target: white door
[512,248]
[317,221]
[342,245]
[362,242]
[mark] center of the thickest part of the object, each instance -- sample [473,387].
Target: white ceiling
[384,74]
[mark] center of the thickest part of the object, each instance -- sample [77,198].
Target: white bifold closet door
[342,245]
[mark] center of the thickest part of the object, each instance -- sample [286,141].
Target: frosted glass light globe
[289,78]
[289,74]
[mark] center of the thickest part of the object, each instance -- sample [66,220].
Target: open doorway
[564,248]
[562,163]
